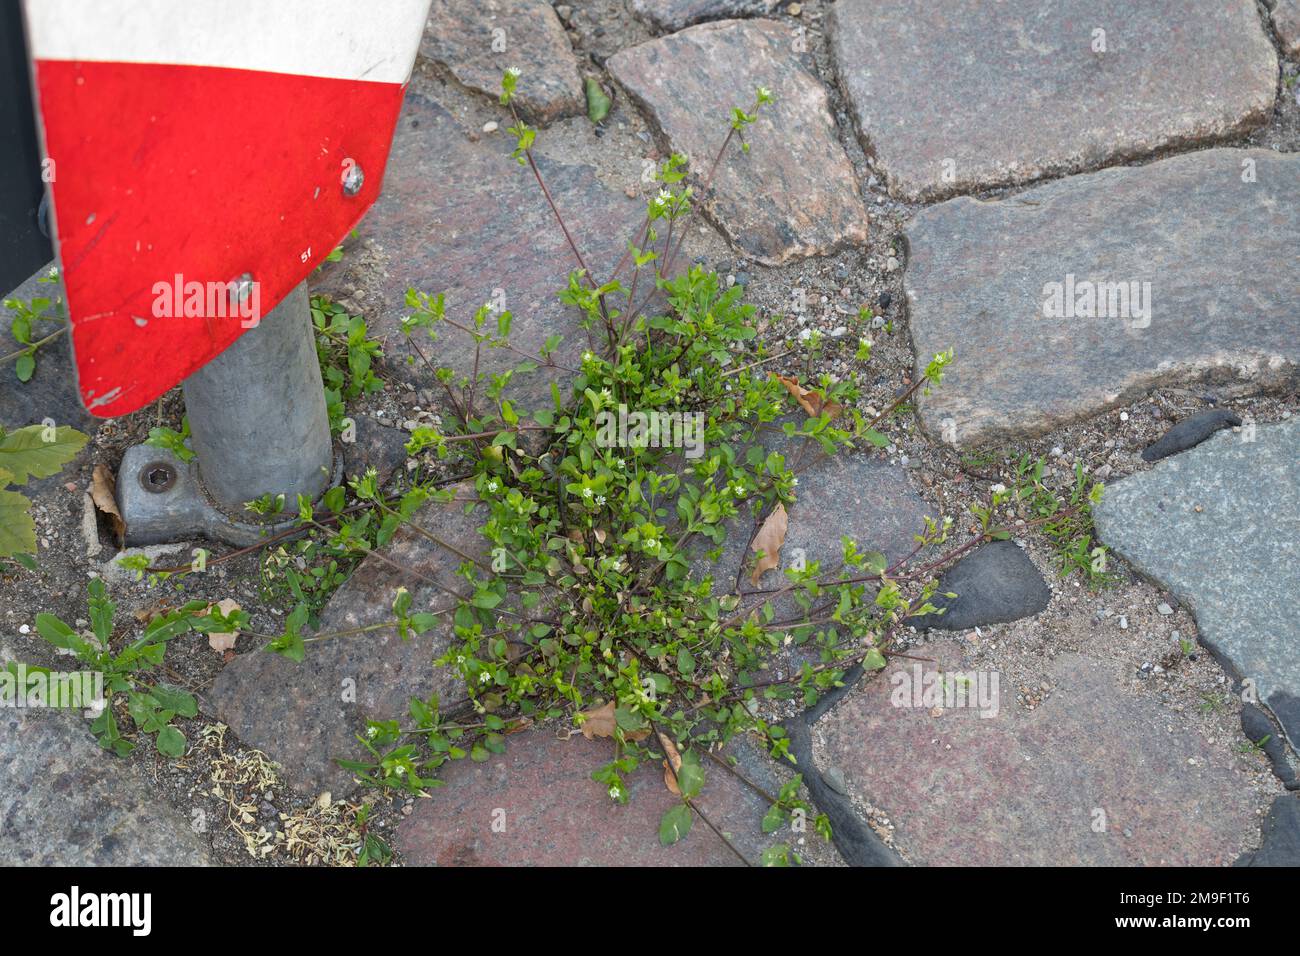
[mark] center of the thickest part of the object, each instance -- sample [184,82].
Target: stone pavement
[1219,526]
[66,802]
[944,98]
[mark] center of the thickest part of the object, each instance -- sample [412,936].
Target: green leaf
[774,819]
[25,453]
[676,823]
[597,102]
[175,699]
[877,439]
[690,775]
[17,529]
[170,742]
[874,562]
[685,662]
[25,366]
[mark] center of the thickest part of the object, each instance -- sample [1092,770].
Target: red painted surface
[205,172]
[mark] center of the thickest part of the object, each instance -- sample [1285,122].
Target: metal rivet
[157,476]
[353,180]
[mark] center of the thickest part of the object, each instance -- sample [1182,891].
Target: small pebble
[1164,609]
[490,126]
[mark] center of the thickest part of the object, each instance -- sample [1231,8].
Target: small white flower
[514,71]
[460,659]
[586,492]
[492,486]
[740,490]
[794,481]
[651,544]
[614,792]
[764,92]
[484,677]
[998,489]
[372,732]
[587,356]
[400,770]
[600,499]
[663,197]
[606,393]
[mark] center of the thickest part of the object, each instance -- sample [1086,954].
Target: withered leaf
[769,539]
[673,757]
[103,492]
[599,722]
[813,402]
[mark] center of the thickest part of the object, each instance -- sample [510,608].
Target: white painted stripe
[345,39]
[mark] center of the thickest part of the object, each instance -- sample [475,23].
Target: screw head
[157,477]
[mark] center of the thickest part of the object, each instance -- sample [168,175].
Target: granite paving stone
[994,584]
[536,805]
[64,801]
[960,96]
[478,40]
[1085,293]
[1219,526]
[1026,788]
[793,194]
[1286,21]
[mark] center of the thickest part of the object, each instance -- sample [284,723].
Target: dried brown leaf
[103,492]
[599,722]
[675,758]
[769,539]
[813,402]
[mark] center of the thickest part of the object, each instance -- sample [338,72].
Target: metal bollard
[257,412]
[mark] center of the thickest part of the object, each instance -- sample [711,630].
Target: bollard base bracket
[162,500]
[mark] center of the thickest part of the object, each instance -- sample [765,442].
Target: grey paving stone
[1219,526]
[302,714]
[958,96]
[1024,789]
[463,218]
[1286,20]
[66,802]
[995,584]
[1211,257]
[675,14]
[477,40]
[794,193]
[1281,833]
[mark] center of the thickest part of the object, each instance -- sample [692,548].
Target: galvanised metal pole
[257,413]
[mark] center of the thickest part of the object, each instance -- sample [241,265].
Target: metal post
[258,425]
[257,412]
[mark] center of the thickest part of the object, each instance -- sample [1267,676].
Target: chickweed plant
[595,598]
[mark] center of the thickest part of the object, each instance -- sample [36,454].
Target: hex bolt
[157,476]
